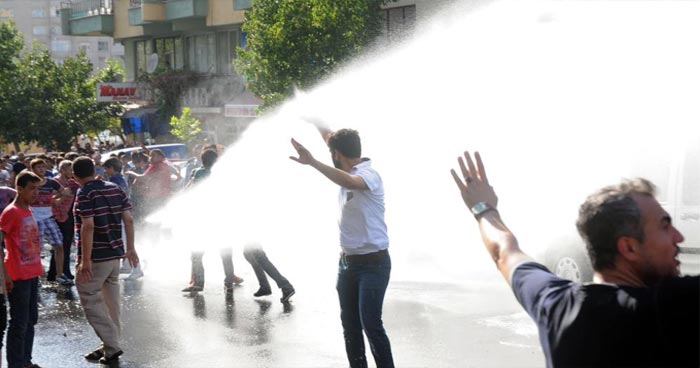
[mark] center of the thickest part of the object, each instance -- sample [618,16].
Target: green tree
[11,44]
[185,128]
[295,43]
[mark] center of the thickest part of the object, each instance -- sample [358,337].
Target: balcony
[143,12]
[184,9]
[87,18]
[241,4]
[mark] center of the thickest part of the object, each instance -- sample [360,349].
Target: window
[102,46]
[169,50]
[56,30]
[61,46]
[202,52]
[55,11]
[84,47]
[399,22]
[226,51]
[7,13]
[40,30]
[38,13]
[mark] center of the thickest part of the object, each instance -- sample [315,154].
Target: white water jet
[557,95]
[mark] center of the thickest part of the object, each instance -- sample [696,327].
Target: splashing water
[557,96]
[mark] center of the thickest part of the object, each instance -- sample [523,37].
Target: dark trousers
[197,275]
[3,318]
[68,231]
[262,265]
[24,313]
[361,287]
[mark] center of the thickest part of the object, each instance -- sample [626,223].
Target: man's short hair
[347,142]
[71,156]
[157,152]
[63,164]
[83,167]
[114,163]
[26,177]
[36,161]
[611,213]
[209,157]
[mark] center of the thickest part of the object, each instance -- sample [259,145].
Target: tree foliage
[48,103]
[185,128]
[295,43]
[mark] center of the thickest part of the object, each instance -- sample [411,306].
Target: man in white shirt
[365,265]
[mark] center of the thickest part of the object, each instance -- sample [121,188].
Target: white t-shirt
[362,226]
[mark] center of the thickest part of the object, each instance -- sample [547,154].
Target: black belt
[365,258]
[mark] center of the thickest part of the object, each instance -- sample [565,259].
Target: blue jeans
[24,313]
[361,287]
[197,273]
[262,265]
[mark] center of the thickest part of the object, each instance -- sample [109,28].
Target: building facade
[200,36]
[40,20]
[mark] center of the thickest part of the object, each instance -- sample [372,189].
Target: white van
[677,177]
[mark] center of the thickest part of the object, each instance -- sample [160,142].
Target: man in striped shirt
[100,209]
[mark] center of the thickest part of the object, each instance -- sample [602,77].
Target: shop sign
[110,92]
[241,111]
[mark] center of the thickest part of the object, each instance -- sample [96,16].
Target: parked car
[677,177]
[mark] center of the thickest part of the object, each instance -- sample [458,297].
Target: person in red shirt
[155,184]
[22,269]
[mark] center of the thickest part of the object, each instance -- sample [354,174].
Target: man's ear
[628,248]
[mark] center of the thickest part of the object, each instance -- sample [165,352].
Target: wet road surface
[429,324]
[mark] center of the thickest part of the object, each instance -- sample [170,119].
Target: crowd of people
[638,311]
[77,198]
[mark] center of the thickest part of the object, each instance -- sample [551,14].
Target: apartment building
[200,36]
[40,20]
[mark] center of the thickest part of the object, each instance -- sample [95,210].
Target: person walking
[365,266]
[196,284]
[255,255]
[100,209]
[63,213]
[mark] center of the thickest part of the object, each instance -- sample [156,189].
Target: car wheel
[571,264]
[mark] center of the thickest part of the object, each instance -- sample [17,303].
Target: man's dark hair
[26,177]
[347,142]
[157,152]
[36,161]
[114,163]
[83,167]
[71,156]
[611,213]
[209,157]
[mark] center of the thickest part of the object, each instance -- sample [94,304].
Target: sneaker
[262,292]
[94,355]
[135,274]
[111,359]
[63,280]
[192,289]
[286,294]
[32,365]
[125,267]
[237,280]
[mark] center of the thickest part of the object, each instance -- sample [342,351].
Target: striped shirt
[104,202]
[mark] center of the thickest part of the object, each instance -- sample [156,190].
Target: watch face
[480,208]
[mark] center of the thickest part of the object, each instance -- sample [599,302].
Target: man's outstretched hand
[474,185]
[305,157]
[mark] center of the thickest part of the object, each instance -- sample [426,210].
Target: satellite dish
[151,63]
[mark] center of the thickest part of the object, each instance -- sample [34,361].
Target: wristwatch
[480,209]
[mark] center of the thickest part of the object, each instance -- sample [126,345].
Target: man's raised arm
[481,200]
